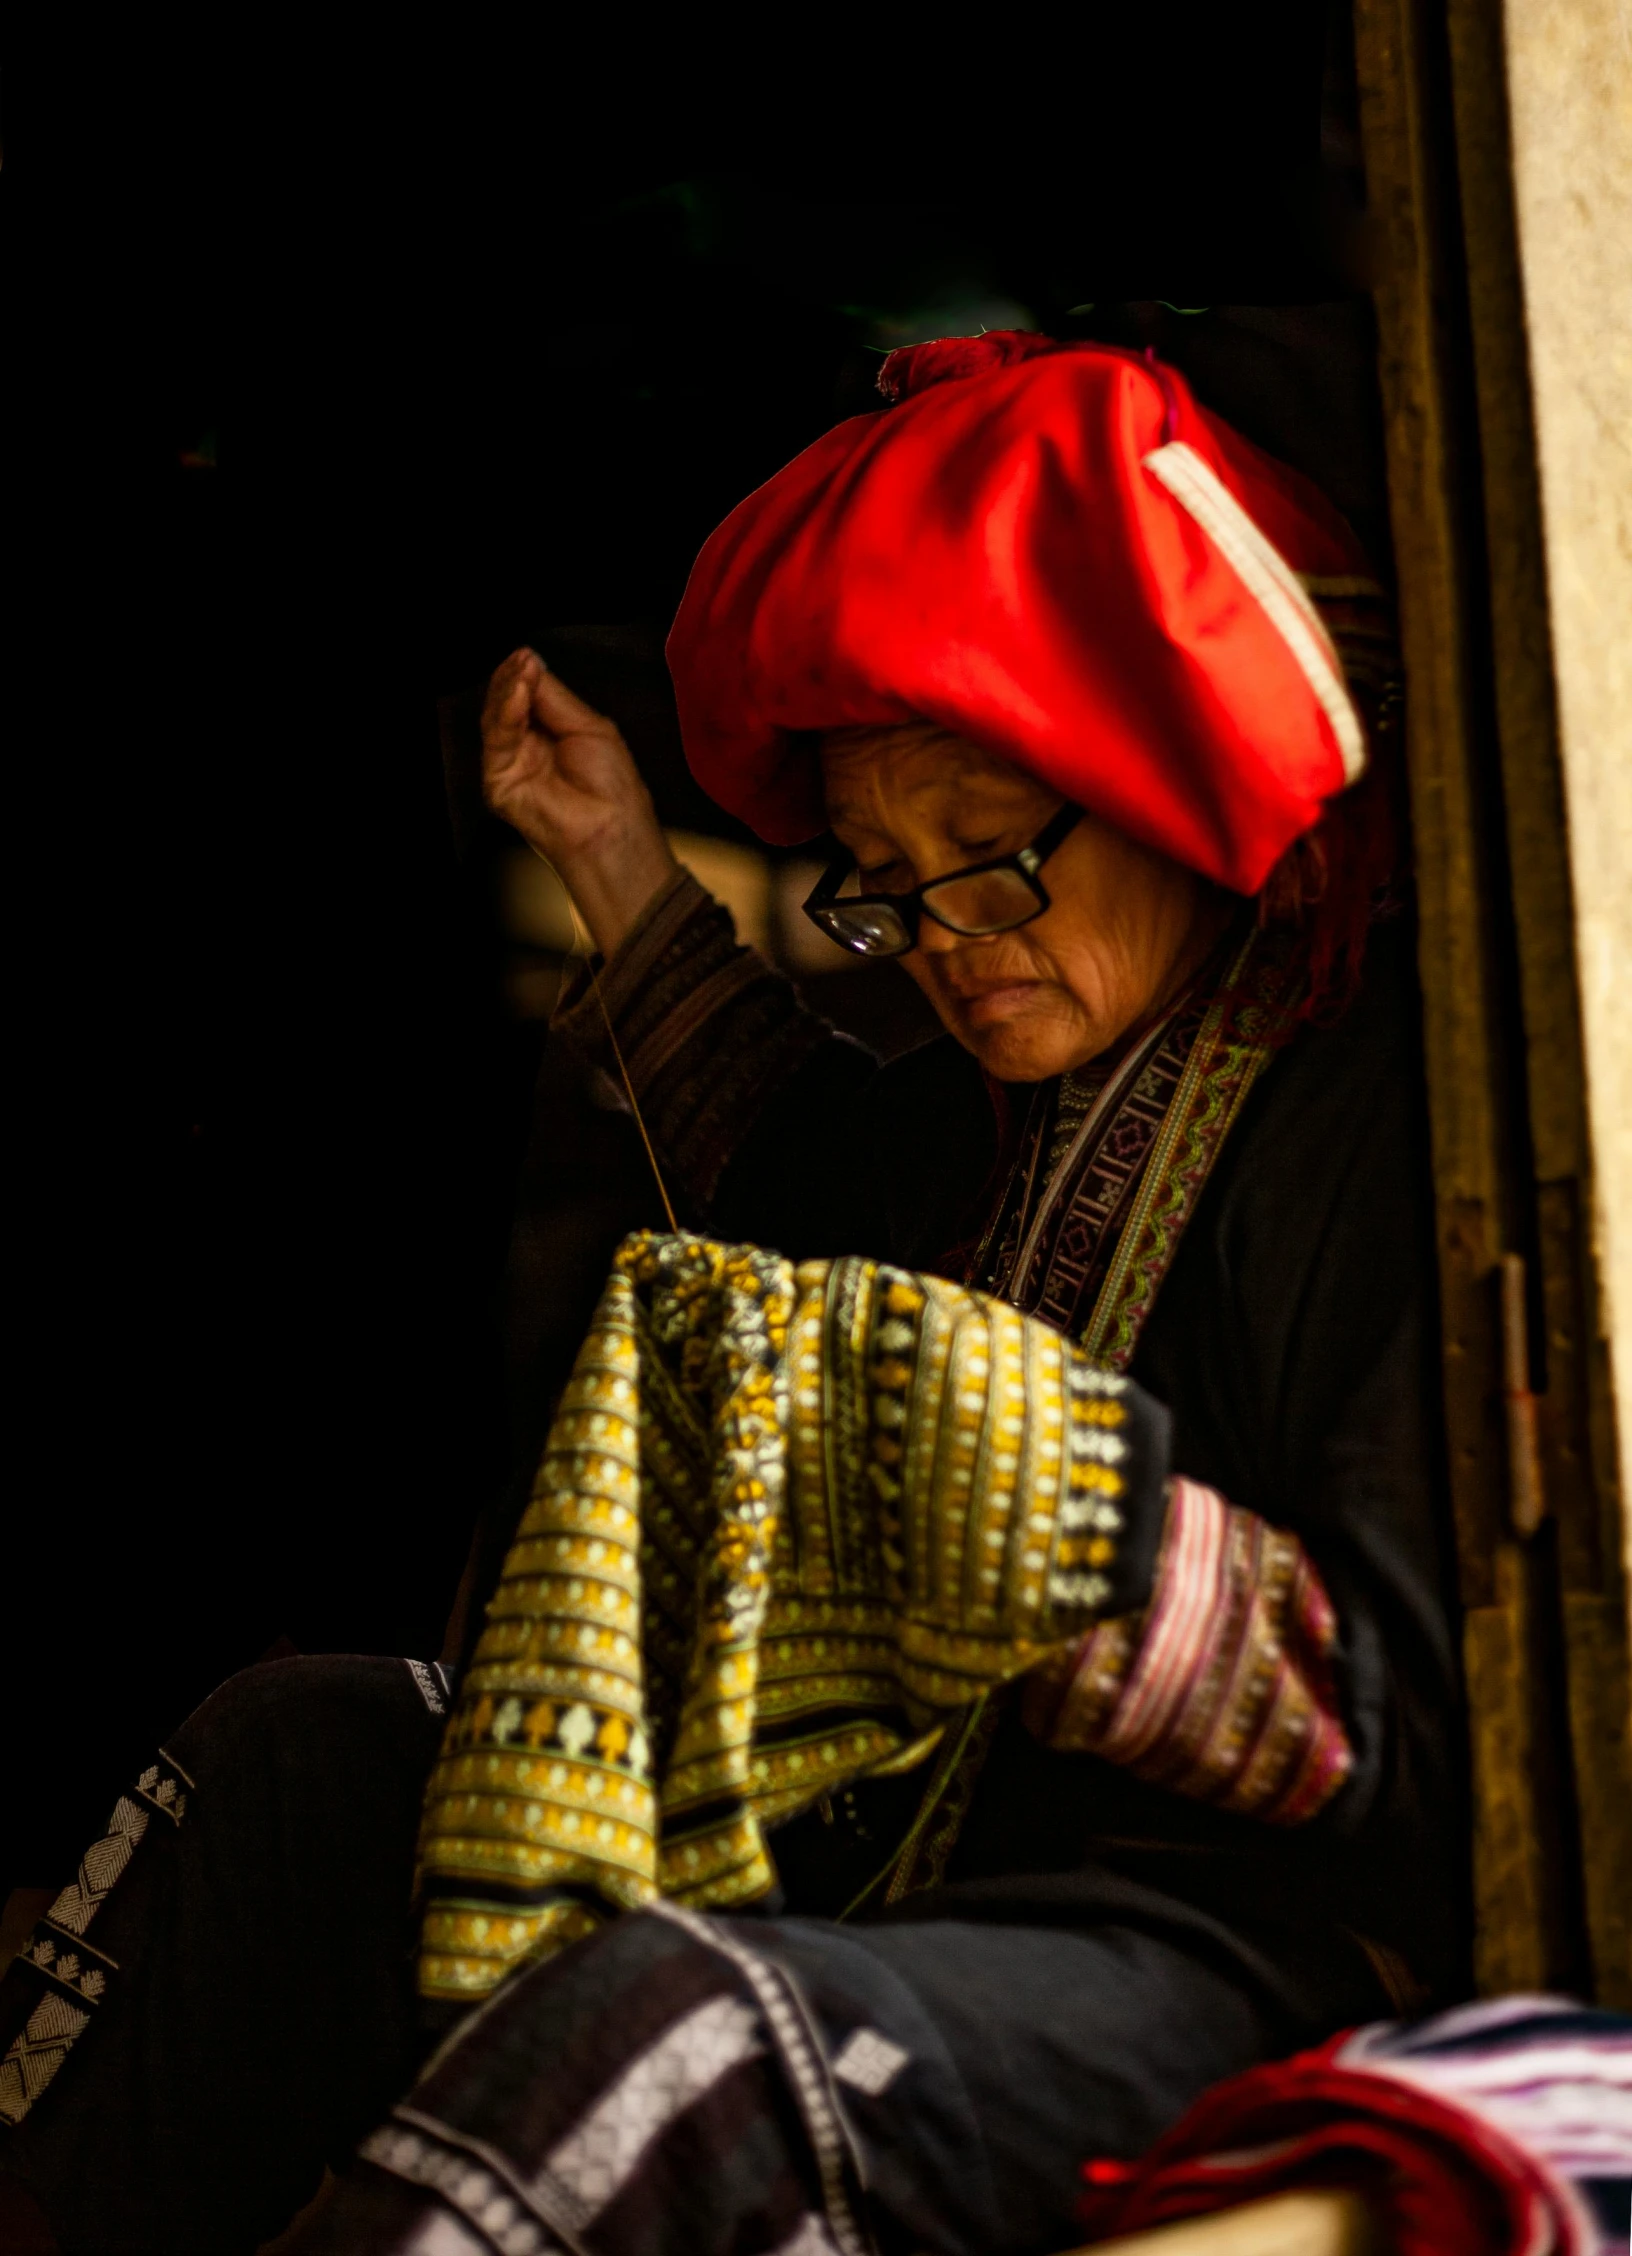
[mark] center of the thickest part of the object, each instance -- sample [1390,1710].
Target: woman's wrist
[612,884]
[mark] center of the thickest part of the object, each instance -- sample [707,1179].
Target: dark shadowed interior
[379,361]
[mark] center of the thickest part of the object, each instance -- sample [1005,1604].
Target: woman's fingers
[557,707]
[507,705]
[523,695]
[560,774]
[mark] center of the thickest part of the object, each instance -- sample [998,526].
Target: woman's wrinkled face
[1125,926]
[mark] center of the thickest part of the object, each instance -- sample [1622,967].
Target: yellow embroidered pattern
[787,1523]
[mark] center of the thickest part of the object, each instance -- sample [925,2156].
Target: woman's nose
[935,940]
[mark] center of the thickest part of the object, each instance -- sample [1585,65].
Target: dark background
[351,369]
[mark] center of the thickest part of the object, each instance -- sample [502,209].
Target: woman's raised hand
[562,775]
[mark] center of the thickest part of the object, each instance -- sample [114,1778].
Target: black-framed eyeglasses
[991,897]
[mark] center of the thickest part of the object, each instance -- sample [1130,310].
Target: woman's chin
[1028,1029]
[1019,1049]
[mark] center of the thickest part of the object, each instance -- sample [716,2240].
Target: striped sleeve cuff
[1222,1688]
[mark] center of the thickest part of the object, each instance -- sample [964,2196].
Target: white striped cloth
[1552,2076]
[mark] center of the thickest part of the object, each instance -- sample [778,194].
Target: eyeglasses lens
[994,900]
[868,928]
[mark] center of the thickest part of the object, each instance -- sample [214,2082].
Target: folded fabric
[788,1522]
[1501,2129]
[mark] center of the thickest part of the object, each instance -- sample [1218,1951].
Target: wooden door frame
[1545,1623]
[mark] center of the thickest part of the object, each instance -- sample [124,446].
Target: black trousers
[259,2021]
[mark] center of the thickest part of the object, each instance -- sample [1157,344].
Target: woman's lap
[1065,2044]
[259,2010]
[262,2019]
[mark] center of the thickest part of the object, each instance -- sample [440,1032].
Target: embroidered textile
[1110,1165]
[670,2088]
[1085,1241]
[1222,1690]
[1074,1098]
[53,1987]
[786,1522]
[595,2160]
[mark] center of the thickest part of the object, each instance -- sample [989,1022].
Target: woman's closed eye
[884,877]
[898,877]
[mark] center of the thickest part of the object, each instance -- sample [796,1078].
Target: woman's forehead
[915,763]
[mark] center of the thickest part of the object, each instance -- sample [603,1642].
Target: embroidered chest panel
[1083,1237]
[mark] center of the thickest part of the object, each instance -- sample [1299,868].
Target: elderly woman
[1054,655]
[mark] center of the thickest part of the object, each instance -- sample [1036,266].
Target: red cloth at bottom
[1440,2179]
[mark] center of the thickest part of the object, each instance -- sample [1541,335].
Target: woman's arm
[711,1039]
[560,773]
[1296,1341]
[1299,1638]
[752,1101]
[1222,1688]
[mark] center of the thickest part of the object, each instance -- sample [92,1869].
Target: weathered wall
[1569,74]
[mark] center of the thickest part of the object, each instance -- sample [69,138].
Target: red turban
[1052,551]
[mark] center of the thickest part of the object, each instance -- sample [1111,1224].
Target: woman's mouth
[990,1006]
